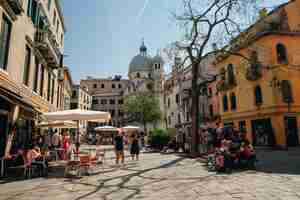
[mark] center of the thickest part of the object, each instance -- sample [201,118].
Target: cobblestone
[166,177]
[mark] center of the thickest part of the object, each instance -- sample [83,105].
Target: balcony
[13,7]
[254,72]
[47,45]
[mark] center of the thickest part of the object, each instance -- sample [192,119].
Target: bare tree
[208,24]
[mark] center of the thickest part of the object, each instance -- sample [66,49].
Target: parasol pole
[77,138]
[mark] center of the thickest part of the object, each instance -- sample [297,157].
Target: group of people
[230,147]
[133,144]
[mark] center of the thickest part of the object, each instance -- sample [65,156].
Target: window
[121,101]
[112,102]
[230,73]
[258,96]
[74,94]
[61,39]
[138,75]
[233,101]
[54,17]
[169,119]
[242,127]
[57,26]
[211,111]
[42,71]
[113,86]
[158,66]
[169,102]
[103,101]
[32,11]
[179,118]
[177,99]
[287,94]
[49,86]
[210,92]
[36,75]
[225,103]
[52,92]
[26,71]
[95,86]
[4,42]
[120,86]
[281,53]
[74,105]
[102,86]
[95,102]
[49,4]
[149,75]
[121,113]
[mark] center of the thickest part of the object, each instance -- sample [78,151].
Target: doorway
[291,131]
[262,131]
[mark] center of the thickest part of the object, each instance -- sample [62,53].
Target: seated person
[247,155]
[34,154]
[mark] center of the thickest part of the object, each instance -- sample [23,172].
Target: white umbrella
[78,115]
[130,128]
[106,128]
[58,124]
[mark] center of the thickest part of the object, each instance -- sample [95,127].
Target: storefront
[13,109]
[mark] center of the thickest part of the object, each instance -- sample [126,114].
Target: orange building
[260,94]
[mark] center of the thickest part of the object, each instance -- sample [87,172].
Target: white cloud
[141,12]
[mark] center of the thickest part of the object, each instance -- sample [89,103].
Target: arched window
[281,53]
[138,75]
[230,74]
[225,103]
[287,94]
[233,101]
[258,96]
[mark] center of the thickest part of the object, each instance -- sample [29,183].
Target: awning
[16,99]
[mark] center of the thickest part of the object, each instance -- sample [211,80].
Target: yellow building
[260,93]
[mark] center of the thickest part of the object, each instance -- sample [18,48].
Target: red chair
[85,163]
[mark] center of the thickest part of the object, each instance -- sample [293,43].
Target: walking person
[135,148]
[119,148]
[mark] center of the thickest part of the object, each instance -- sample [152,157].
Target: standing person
[55,140]
[66,145]
[135,148]
[119,148]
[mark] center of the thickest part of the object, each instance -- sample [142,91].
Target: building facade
[68,88]
[82,100]
[260,96]
[107,95]
[32,42]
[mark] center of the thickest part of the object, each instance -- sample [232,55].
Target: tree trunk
[195,109]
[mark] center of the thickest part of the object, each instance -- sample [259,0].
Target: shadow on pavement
[280,162]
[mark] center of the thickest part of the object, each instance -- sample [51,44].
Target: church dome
[140,63]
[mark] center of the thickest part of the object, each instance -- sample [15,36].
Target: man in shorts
[119,148]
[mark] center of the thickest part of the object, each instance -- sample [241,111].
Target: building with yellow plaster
[259,89]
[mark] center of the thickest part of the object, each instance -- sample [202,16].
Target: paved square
[168,177]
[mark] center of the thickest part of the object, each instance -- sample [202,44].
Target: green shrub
[159,138]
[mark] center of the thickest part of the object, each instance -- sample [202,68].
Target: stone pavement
[168,177]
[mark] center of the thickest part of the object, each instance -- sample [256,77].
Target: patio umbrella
[58,124]
[106,129]
[78,115]
[130,128]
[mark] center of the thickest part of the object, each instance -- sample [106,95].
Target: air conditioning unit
[60,75]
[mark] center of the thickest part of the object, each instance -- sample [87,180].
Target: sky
[104,35]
